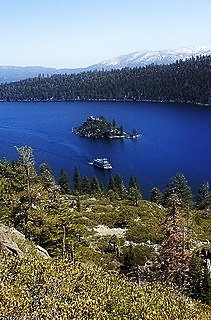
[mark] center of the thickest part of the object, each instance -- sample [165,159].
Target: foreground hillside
[33,288]
[183,81]
[113,255]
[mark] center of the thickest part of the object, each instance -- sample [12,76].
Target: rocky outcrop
[15,242]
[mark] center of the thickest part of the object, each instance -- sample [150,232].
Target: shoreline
[112,100]
[126,136]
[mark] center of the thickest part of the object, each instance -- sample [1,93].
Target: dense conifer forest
[183,81]
[113,255]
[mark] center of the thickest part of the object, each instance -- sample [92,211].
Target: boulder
[15,242]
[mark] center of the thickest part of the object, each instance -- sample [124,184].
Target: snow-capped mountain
[135,59]
[143,58]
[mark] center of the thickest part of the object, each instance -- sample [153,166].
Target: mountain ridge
[131,60]
[146,57]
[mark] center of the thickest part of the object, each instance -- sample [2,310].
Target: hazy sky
[78,33]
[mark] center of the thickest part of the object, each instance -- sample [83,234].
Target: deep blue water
[176,138]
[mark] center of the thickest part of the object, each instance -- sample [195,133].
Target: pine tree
[167,194]
[175,254]
[111,184]
[13,187]
[199,279]
[85,185]
[134,195]
[64,182]
[120,187]
[178,185]
[5,199]
[94,185]
[76,181]
[203,196]
[30,176]
[156,196]
[195,276]
[133,183]
[129,259]
[134,192]
[49,181]
[46,176]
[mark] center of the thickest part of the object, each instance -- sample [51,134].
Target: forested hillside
[183,81]
[113,254]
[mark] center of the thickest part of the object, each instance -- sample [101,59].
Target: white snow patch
[142,58]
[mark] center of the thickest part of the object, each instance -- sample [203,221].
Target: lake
[175,138]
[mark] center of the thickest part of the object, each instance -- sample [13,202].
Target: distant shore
[112,100]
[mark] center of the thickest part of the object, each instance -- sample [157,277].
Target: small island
[100,128]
